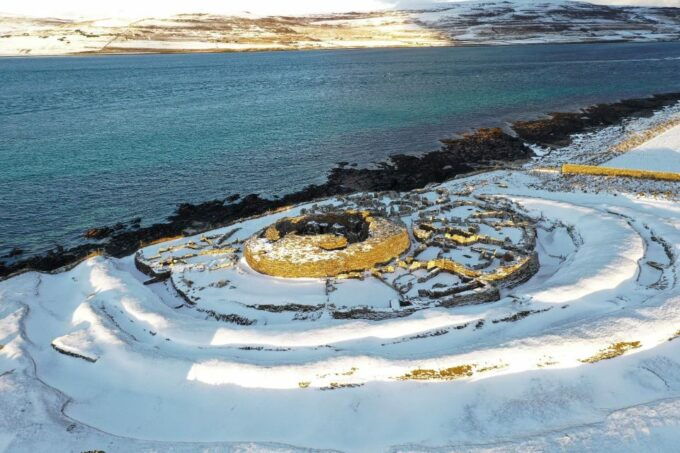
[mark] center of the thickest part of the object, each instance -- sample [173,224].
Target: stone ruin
[326,245]
[426,248]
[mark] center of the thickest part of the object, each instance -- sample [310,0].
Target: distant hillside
[464,23]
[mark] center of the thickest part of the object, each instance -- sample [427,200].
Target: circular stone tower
[325,245]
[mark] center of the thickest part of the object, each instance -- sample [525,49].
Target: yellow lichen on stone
[612,351]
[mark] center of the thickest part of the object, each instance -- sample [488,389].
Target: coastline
[481,150]
[324,49]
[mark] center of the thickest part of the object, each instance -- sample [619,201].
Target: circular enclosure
[325,245]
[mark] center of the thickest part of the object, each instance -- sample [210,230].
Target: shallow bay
[86,141]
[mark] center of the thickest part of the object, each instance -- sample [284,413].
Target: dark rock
[98,233]
[405,172]
[16,251]
[556,130]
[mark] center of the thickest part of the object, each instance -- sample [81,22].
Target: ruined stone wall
[295,256]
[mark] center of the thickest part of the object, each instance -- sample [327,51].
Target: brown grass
[492,367]
[445,374]
[638,139]
[158,241]
[572,169]
[612,351]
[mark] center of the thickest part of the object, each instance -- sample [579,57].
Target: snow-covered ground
[662,153]
[92,358]
[322,25]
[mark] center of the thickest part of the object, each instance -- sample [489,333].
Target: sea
[94,140]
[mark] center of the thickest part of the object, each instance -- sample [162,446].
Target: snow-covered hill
[530,21]
[429,24]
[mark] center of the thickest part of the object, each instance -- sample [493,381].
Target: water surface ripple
[87,141]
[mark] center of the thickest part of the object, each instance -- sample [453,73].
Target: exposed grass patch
[492,367]
[336,386]
[612,351]
[545,364]
[350,372]
[546,361]
[304,384]
[673,337]
[159,241]
[571,169]
[445,374]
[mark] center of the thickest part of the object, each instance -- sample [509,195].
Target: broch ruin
[325,245]
[368,256]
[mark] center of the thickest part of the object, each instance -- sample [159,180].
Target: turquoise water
[87,141]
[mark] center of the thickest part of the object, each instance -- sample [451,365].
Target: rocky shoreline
[479,150]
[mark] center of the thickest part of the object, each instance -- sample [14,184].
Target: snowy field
[662,153]
[584,356]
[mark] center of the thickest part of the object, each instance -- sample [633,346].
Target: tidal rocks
[556,130]
[483,148]
[103,232]
[16,251]
[98,233]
